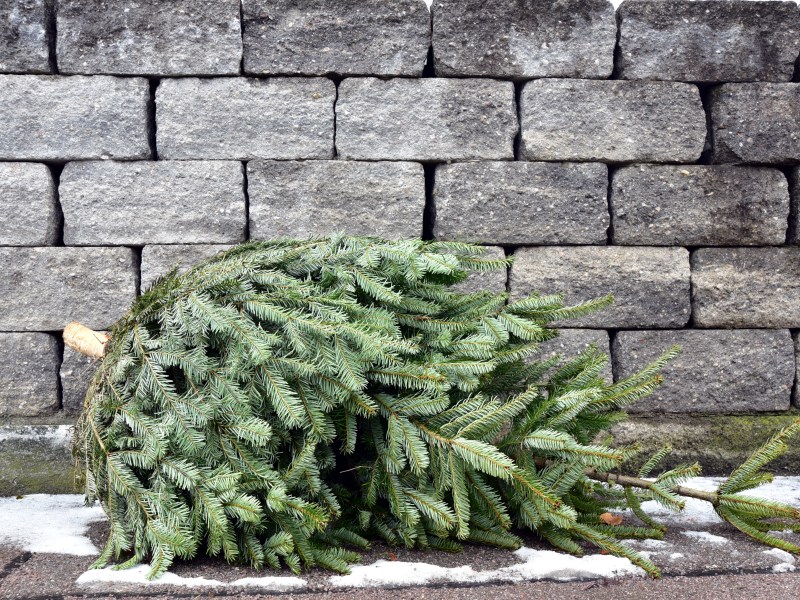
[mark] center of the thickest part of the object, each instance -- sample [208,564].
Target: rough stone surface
[240,119]
[717,371]
[35,459]
[301,199]
[794,218]
[746,287]
[720,443]
[695,205]
[349,37]
[28,374]
[650,285]
[43,289]
[45,117]
[23,36]
[756,123]
[571,342]
[164,202]
[611,121]
[149,37]
[537,38]
[708,41]
[28,209]
[157,261]
[521,203]
[492,281]
[425,119]
[796,394]
[76,373]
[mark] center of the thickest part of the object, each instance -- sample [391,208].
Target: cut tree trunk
[86,341]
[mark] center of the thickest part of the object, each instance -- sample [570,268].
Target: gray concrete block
[149,37]
[43,289]
[611,121]
[650,285]
[694,205]
[521,203]
[76,373]
[23,36]
[36,459]
[717,371]
[491,281]
[720,443]
[349,37]
[240,119]
[28,374]
[746,287]
[28,209]
[164,202]
[794,219]
[536,38]
[309,198]
[708,41]
[46,117]
[425,119]
[572,342]
[157,261]
[756,123]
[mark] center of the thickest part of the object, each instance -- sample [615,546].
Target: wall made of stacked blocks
[651,152]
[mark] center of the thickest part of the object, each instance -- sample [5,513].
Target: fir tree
[286,400]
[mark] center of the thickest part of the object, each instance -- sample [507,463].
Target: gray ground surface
[736,568]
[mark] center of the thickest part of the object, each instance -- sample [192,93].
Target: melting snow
[138,575]
[788,563]
[704,536]
[45,523]
[538,564]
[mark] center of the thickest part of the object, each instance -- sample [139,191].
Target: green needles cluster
[288,400]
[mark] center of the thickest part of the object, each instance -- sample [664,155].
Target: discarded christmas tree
[286,399]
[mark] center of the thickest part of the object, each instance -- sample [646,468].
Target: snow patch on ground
[788,563]
[138,575]
[698,512]
[46,523]
[706,537]
[538,564]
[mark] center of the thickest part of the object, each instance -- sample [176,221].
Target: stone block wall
[652,152]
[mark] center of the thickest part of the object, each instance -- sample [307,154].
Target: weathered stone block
[650,285]
[756,122]
[76,374]
[720,443]
[746,287]
[571,342]
[164,202]
[611,121]
[697,205]
[27,205]
[521,203]
[35,459]
[536,38]
[157,261]
[491,281]
[350,37]
[425,119]
[28,374]
[794,219]
[717,371]
[23,36]
[149,37]
[240,119]
[708,41]
[43,289]
[72,118]
[301,199]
